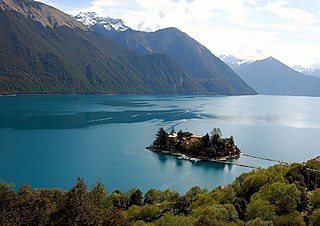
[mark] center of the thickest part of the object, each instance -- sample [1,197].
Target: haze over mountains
[271,77]
[43,50]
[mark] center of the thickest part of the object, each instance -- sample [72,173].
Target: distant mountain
[233,62]
[313,71]
[196,59]
[43,50]
[271,77]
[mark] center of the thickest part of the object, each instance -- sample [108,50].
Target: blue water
[49,140]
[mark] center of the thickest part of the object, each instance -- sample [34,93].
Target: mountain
[43,50]
[271,77]
[313,71]
[233,62]
[100,24]
[207,69]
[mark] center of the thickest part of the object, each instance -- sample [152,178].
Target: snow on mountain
[92,18]
[232,61]
[313,70]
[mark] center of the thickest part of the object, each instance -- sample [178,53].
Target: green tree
[150,197]
[259,222]
[290,219]
[315,218]
[285,197]
[117,199]
[171,220]
[146,212]
[259,208]
[136,198]
[201,200]
[77,207]
[215,214]
[315,199]
[206,140]
[216,136]
[100,196]
[161,137]
[224,195]
[194,191]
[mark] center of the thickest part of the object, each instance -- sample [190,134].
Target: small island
[194,147]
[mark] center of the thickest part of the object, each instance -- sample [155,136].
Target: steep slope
[210,71]
[271,77]
[38,58]
[42,13]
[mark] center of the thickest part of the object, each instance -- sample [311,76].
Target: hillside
[271,77]
[210,71]
[43,50]
[213,74]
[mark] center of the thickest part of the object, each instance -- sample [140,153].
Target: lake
[49,140]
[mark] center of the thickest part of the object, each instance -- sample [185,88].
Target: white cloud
[298,15]
[287,30]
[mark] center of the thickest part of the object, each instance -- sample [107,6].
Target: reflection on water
[49,140]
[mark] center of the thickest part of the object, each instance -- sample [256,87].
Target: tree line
[279,195]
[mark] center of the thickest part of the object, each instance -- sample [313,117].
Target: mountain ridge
[196,59]
[42,59]
[271,77]
[44,50]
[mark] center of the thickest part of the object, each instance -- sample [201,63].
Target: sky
[288,30]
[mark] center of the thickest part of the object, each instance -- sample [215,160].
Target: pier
[232,163]
[262,158]
[246,165]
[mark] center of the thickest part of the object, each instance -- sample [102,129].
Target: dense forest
[192,146]
[279,195]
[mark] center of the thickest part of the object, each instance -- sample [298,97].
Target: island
[193,147]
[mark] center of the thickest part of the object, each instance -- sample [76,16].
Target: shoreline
[194,159]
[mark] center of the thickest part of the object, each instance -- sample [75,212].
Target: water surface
[49,140]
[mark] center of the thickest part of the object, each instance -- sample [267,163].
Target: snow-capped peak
[232,61]
[300,69]
[313,70]
[92,18]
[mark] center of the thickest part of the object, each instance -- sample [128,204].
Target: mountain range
[272,77]
[196,59]
[43,50]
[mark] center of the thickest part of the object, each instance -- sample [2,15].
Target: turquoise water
[49,140]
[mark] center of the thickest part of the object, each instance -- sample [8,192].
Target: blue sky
[288,30]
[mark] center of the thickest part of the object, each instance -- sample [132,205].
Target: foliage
[315,218]
[278,195]
[290,219]
[175,220]
[146,212]
[195,146]
[259,208]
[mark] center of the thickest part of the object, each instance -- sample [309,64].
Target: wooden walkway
[232,163]
[262,158]
[246,165]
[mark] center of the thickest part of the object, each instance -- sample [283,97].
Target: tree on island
[161,138]
[195,146]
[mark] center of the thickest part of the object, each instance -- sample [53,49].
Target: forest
[279,195]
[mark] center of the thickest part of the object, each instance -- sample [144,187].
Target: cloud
[286,29]
[280,9]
